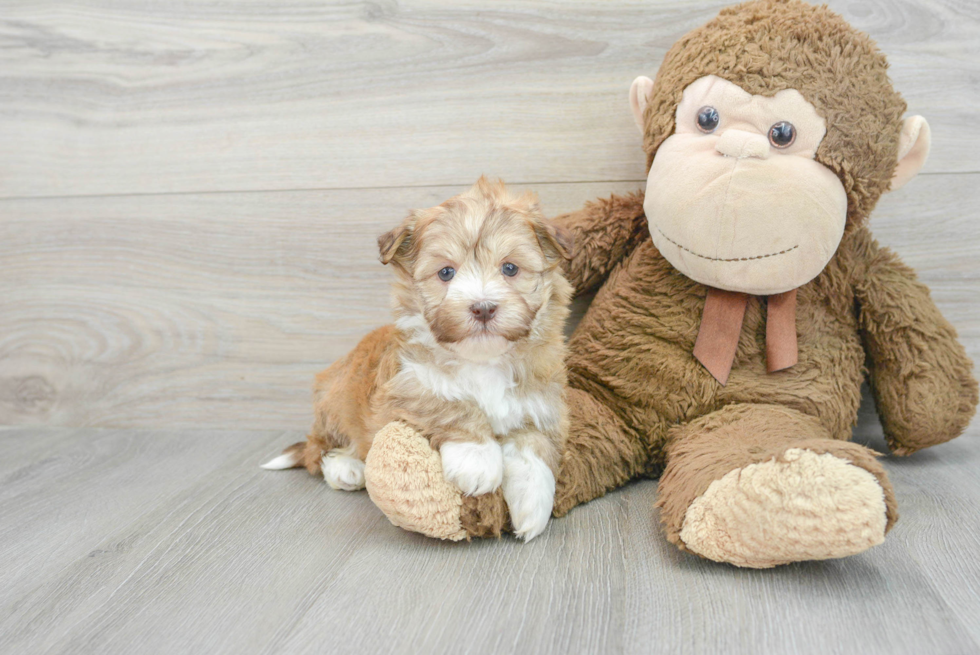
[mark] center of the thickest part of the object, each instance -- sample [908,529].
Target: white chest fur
[493,388]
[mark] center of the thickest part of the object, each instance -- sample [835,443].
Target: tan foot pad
[803,506]
[403,476]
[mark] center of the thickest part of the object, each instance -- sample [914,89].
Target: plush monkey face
[769,132]
[735,199]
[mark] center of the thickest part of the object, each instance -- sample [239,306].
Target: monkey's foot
[404,479]
[799,506]
[762,485]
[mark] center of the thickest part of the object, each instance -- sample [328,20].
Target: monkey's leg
[404,475]
[762,485]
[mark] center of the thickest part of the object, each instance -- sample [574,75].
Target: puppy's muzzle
[483,311]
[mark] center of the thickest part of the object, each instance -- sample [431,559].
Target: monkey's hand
[604,231]
[919,372]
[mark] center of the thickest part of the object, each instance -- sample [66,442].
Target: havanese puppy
[474,360]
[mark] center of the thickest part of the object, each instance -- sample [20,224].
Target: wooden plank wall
[190,192]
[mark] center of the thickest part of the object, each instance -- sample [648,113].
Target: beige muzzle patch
[730,208]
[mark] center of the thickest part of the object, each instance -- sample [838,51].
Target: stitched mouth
[721,259]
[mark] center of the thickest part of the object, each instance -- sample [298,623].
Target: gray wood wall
[190,192]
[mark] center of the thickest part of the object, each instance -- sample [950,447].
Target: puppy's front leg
[529,482]
[476,467]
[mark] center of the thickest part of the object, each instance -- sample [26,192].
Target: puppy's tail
[290,458]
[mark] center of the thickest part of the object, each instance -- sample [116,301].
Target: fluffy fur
[640,404]
[466,383]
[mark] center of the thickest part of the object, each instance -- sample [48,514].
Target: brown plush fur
[640,402]
[476,233]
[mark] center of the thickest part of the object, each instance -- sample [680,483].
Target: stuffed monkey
[740,304]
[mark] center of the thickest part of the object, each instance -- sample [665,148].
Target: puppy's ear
[528,203]
[555,238]
[390,244]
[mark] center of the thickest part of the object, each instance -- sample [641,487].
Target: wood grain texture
[108,97]
[214,309]
[217,309]
[164,541]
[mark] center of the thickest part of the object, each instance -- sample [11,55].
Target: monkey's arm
[919,372]
[604,232]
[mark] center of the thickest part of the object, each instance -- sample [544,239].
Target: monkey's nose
[483,311]
[741,144]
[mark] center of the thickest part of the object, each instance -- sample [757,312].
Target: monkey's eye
[447,273]
[708,119]
[508,269]
[782,134]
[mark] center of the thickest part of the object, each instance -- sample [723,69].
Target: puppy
[474,360]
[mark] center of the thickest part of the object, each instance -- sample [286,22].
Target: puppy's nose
[483,311]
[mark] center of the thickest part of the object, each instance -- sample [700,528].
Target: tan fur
[345,397]
[475,233]
[638,399]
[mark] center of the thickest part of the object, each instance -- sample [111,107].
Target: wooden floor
[189,198]
[174,541]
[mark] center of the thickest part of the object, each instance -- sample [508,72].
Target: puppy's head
[479,269]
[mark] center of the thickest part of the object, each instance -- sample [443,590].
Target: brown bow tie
[721,323]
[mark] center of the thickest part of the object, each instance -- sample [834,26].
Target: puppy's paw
[476,468]
[341,471]
[529,490]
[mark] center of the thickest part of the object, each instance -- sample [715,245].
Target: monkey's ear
[913,149]
[390,243]
[639,95]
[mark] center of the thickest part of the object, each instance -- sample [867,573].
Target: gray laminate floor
[145,541]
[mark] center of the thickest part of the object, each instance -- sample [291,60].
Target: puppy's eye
[782,134]
[447,273]
[708,119]
[508,269]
